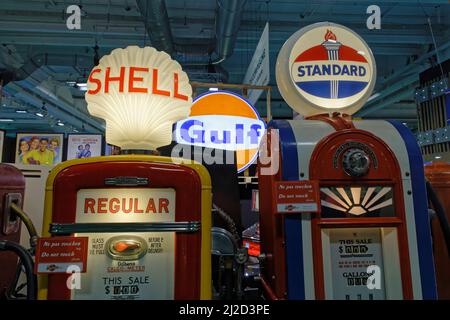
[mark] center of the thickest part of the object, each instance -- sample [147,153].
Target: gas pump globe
[366,235]
[146,219]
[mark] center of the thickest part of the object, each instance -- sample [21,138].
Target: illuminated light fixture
[6,120]
[59,123]
[21,111]
[140,93]
[375,95]
[213,89]
[40,115]
[339,200]
[437,157]
[82,86]
[405,124]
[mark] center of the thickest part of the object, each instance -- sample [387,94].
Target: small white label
[297,207]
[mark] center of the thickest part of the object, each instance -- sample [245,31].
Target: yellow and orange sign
[223,120]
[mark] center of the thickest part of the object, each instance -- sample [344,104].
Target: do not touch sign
[296,196]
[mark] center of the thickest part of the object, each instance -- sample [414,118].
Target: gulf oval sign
[223,120]
[325,67]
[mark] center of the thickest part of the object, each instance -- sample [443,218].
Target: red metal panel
[187,185]
[272,234]
[388,172]
[11,181]
[439,176]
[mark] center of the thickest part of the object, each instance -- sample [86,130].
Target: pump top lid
[325,67]
[140,93]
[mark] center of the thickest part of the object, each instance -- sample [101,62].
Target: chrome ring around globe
[325,67]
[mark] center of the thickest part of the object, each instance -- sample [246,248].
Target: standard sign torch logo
[331,67]
[226,121]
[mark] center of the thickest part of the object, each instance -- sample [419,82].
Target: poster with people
[82,146]
[39,149]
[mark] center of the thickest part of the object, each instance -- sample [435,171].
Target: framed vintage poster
[81,146]
[2,138]
[39,148]
[111,150]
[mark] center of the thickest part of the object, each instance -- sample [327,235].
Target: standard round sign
[325,67]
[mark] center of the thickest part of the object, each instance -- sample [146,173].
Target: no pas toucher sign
[296,196]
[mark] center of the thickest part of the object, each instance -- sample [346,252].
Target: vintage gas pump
[438,176]
[12,189]
[146,218]
[366,233]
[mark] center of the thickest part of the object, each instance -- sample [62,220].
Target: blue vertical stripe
[423,229]
[293,223]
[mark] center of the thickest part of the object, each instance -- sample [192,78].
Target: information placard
[57,255]
[296,196]
[351,252]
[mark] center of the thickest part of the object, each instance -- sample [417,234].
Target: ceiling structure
[44,65]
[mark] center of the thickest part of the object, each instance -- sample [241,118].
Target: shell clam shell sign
[325,67]
[140,93]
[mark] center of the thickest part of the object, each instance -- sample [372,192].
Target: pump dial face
[126,247]
[356,162]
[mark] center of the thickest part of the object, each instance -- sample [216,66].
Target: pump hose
[440,212]
[27,262]
[28,224]
[231,225]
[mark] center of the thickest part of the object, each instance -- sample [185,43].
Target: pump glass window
[357,201]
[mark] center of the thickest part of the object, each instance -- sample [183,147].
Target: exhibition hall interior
[226,150]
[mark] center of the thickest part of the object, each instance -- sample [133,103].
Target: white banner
[258,72]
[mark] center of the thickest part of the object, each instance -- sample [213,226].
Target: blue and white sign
[325,67]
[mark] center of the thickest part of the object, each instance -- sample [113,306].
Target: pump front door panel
[127,265]
[131,265]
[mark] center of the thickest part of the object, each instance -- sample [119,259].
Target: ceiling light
[375,95]
[61,124]
[213,89]
[39,114]
[21,111]
[6,120]
[82,86]
[437,157]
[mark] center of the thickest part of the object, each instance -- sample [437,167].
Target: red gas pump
[438,174]
[366,234]
[125,204]
[12,189]
[138,226]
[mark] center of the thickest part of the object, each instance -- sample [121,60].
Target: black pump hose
[440,212]
[27,262]
[231,224]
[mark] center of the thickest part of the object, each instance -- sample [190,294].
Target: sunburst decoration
[352,203]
